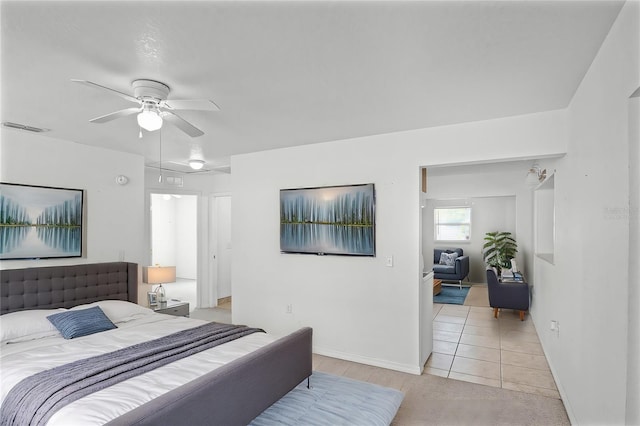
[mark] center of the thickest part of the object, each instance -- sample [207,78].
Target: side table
[172,307]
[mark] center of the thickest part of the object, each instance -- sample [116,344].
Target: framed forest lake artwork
[328,220]
[40,222]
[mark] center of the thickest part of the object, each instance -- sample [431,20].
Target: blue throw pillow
[81,322]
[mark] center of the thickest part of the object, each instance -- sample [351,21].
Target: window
[452,223]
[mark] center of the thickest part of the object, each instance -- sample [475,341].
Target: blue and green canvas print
[328,220]
[39,222]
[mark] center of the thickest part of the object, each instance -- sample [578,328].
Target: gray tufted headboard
[67,286]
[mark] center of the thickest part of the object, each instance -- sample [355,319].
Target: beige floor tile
[449,318]
[482,315]
[510,314]
[519,359]
[436,372]
[474,379]
[528,376]
[524,347]
[549,393]
[480,309]
[450,313]
[485,341]
[440,361]
[442,347]
[456,308]
[519,336]
[515,324]
[490,323]
[470,345]
[446,336]
[448,326]
[481,331]
[474,367]
[478,352]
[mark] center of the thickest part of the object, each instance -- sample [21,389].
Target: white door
[222,245]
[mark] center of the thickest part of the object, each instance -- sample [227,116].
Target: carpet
[333,400]
[451,295]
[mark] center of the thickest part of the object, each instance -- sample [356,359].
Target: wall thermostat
[122,180]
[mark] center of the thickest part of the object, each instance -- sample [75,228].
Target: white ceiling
[292,72]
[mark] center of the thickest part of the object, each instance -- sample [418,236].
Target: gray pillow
[448,259]
[81,323]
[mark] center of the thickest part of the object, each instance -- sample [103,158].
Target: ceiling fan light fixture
[149,120]
[196,164]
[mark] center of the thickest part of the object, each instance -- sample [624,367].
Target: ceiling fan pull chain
[160,134]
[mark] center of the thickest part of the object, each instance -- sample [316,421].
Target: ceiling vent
[24,127]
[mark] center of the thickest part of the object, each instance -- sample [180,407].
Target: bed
[228,384]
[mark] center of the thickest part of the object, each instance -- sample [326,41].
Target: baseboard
[561,391]
[375,362]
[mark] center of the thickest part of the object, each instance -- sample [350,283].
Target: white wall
[583,290]
[163,225]
[359,308]
[187,242]
[174,233]
[633,363]
[114,213]
[488,214]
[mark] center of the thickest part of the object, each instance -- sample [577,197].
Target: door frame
[212,245]
[201,244]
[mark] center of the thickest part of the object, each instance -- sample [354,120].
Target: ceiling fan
[151,96]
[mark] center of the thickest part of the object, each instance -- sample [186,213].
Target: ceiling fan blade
[192,104]
[181,124]
[114,115]
[97,86]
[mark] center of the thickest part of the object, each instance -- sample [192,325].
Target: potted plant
[498,249]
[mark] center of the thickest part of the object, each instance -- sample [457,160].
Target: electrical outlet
[289,309]
[555,327]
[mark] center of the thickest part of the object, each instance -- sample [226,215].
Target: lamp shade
[159,274]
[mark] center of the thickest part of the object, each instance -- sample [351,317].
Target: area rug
[451,295]
[333,400]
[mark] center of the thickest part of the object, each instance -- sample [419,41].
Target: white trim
[405,368]
[561,391]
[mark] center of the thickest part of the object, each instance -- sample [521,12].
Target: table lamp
[159,275]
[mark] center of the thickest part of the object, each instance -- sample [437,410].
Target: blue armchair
[456,272]
[507,295]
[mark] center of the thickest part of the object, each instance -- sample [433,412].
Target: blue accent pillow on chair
[81,322]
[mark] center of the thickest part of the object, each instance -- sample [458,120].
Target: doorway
[221,249]
[174,242]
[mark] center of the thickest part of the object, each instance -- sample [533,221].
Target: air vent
[24,127]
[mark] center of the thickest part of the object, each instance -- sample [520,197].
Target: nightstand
[172,307]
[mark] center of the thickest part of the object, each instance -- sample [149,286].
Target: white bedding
[20,360]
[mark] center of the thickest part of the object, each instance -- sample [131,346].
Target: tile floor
[470,345]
